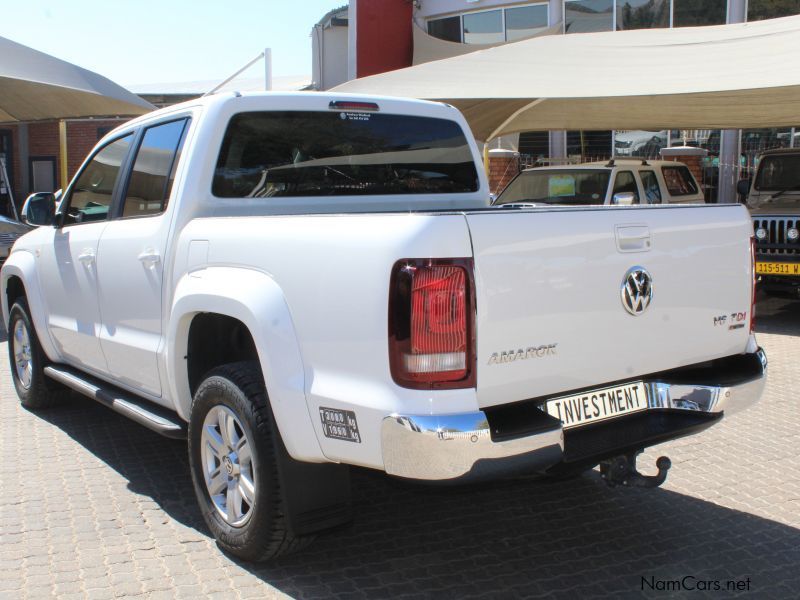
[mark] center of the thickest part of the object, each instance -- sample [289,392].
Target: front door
[131,259]
[68,265]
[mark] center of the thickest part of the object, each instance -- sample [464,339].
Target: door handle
[633,238]
[87,257]
[150,257]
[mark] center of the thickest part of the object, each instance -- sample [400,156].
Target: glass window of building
[448,29]
[589,145]
[484,27]
[524,21]
[642,14]
[692,13]
[582,16]
[534,147]
[758,10]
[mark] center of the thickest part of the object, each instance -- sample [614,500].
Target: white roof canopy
[36,86]
[726,76]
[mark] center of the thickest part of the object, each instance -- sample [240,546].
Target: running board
[145,413]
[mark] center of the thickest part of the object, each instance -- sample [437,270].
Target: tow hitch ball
[621,470]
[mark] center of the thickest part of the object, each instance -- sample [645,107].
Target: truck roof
[229,97]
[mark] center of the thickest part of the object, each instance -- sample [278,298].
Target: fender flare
[255,299]
[22,264]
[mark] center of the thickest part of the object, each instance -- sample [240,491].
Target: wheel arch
[19,274]
[253,299]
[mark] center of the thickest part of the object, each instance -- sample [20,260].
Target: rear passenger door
[130,258]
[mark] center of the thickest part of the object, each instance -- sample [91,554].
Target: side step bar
[145,413]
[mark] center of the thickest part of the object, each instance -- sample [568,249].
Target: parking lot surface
[94,506]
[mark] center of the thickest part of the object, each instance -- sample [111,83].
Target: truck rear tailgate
[551,314]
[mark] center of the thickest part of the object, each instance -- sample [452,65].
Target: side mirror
[623,198]
[743,187]
[39,209]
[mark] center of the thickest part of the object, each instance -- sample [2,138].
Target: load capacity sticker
[339,424]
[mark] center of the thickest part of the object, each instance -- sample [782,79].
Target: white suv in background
[618,181]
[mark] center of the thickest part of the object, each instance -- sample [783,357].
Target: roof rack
[610,163]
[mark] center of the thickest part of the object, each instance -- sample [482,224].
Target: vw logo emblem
[637,290]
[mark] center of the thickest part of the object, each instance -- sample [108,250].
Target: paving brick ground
[93,506]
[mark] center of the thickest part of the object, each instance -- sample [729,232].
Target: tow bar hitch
[621,470]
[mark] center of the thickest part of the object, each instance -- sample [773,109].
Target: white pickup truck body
[311,284]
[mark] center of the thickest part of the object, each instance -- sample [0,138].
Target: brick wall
[503,167]
[82,135]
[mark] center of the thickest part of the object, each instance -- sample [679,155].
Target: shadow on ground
[776,314]
[517,538]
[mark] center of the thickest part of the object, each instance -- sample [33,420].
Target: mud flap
[316,496]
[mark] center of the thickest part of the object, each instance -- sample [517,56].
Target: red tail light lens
[432,323]
[350,105]
[753,283]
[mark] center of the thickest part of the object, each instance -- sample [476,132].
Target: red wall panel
[383,37]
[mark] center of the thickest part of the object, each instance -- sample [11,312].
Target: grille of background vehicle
[7,239]
[776,241]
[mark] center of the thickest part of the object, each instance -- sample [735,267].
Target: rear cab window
[311,153]
[679,181]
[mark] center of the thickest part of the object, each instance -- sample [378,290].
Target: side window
[91,195]
[154,170]
[652,191]
[625,182]
[679,181]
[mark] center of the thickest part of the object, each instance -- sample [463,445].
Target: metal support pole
[62,153]
[268,69]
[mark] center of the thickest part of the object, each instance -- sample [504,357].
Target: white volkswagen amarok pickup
[302,282]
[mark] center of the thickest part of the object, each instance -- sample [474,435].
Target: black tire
[40,391]
[240,388]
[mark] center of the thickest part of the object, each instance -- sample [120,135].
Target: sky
[149,41]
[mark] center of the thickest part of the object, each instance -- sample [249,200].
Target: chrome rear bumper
[462,447]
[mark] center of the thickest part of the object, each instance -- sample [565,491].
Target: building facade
[381,36]
[30,154]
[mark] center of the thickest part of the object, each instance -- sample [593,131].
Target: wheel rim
[228,466]
[21,346]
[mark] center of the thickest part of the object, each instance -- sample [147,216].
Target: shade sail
[36,86]
[727,76]
[428,47]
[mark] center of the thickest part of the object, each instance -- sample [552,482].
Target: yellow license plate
[777,268]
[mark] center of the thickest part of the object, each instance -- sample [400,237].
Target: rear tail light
[753,284]
[432,323]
